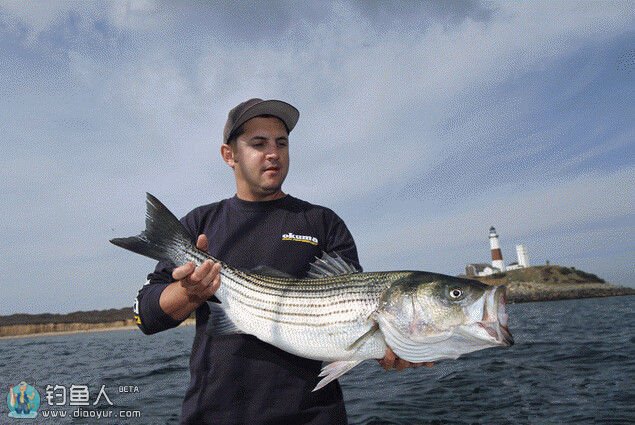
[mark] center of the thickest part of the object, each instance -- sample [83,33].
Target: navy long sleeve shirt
[238,379]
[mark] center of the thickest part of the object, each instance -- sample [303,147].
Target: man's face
[260,159]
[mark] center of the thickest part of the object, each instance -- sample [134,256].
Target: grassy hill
[547,283]
[554,275]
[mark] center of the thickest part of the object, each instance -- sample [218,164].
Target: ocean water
[573,363]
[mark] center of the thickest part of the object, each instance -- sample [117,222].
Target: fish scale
[340,306]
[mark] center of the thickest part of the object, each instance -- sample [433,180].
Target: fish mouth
[495,317]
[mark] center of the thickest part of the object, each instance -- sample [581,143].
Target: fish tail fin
[165,237]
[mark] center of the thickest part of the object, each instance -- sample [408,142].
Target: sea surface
[573,363]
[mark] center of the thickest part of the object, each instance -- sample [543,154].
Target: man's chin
[271,192]
[271,187]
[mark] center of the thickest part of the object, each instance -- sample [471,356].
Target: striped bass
[338,315]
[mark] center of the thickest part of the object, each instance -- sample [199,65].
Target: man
[239,379]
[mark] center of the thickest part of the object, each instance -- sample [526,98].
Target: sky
[421,125]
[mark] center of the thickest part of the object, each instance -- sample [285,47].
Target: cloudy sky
[421,125]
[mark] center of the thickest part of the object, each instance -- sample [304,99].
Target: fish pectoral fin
[332,371]
[362,339]
[219,323]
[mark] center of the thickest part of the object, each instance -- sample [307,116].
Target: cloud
[587,216]
[402,111]
[393,89]
[35,20]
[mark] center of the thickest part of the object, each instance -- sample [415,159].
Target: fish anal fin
[334,370]
[219,323]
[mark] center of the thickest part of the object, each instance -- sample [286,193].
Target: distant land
[540,283]
[551,283]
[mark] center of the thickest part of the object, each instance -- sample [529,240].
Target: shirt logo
[300,238]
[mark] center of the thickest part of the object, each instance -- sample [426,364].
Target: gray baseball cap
[255,107]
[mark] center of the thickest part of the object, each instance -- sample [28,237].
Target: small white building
[523,258]
[480,269]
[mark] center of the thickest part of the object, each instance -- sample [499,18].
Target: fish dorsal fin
[270,271]
[330,265]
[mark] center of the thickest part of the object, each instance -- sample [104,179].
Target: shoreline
[517,292]
[522,292]
[85,328]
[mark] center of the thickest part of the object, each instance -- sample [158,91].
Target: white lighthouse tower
[497,255]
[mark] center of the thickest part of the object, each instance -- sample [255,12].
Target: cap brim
[286,112]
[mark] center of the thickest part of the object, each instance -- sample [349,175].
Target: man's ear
[228,154]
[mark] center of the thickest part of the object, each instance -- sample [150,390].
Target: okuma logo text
[300,238]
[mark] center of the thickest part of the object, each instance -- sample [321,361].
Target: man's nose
[273,152]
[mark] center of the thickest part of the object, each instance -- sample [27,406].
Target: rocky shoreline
[552,283]
[523,292]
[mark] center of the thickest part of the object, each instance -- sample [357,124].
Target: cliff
[92,316]
[78,321]
[55,328]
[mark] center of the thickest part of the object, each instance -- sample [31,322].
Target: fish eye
[456,293]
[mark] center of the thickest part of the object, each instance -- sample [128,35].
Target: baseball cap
[255,107]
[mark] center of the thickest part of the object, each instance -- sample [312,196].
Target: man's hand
[201,282]
[391,361]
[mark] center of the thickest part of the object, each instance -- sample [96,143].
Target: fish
[338,314]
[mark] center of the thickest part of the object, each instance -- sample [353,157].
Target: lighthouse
[497,255]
